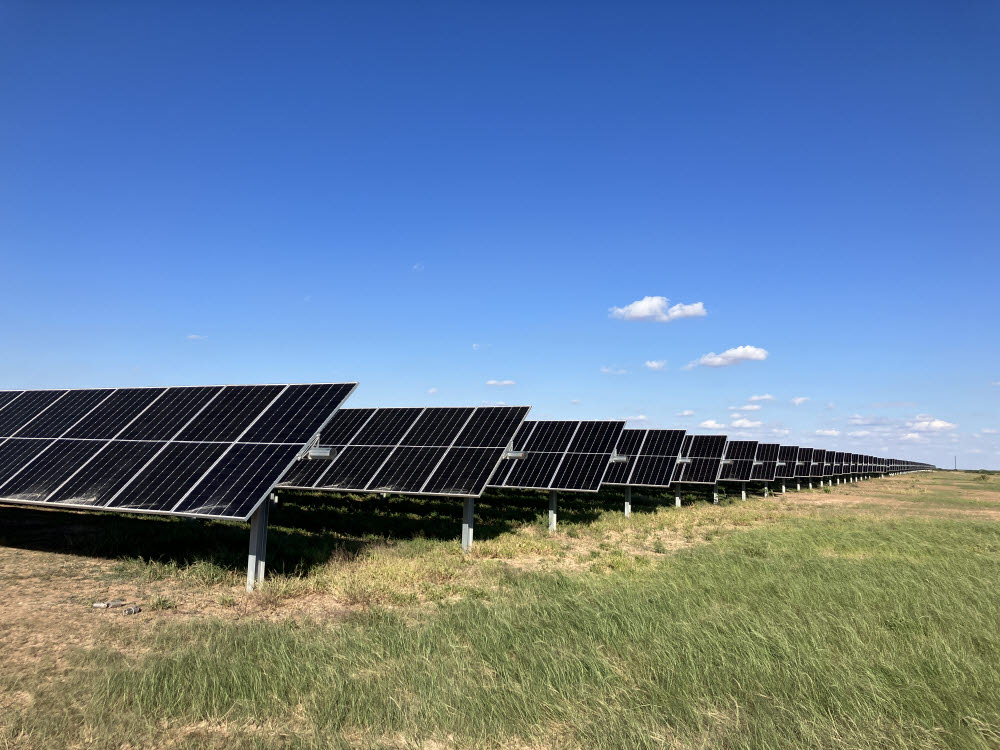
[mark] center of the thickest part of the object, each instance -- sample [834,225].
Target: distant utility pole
[956,463]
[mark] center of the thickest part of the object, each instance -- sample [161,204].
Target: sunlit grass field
[863,617]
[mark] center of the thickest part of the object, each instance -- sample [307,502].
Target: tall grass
[832,633]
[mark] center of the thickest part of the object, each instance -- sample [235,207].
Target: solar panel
[765,466]
[803,467]
[203,451]
[569,455]
[787,458]
[651,458]
[410,450]
[738,463]
[700,460]
[818,462]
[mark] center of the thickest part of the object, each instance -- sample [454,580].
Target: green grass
[787,628]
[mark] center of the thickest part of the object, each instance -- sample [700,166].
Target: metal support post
[677,497]
[470,509]
[766,488]
[553,505]
[258,544]
[782,487]
[743,491]
[715,494]
[628,502]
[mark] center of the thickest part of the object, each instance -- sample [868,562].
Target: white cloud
[912,436]
[996,382]
[746,407]
[799,400]
[686,413]
[637,418]
[746,423]
[575,401]
[780,431]
[614,370]
[831,405]
[762,397]
[418,267]
[869,421]
[494,403]
[656,364]
[927,423]
[989,431]
[730,357]
[195,337]
[712,425]
[500,383]
[475,347]
[828,433]
[432,391]
[860,433]
[655,308]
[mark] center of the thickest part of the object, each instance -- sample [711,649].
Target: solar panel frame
[549,461]
[54,466]
[651,458]
[701,459]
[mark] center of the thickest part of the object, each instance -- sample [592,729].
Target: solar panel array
[651,456]
[412,451]
[207,451]
[561,455]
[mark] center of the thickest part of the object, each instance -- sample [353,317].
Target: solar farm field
[858,616]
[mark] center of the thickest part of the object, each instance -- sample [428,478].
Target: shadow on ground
[306,529]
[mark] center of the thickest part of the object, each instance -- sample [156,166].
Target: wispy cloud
[686,413]
[799,400]
[988,431]
[860,433]
[614,370]
[762,397]
[913,437]
[475,347]
[494,403]
[195,337]
[637,418]
[745,423]
[500,383]
[575,401]
[828,433]
[656,364]
[432,391]
[417,267]
[657,309]
[745,407]
[711,424]
[868,421]
[730,357]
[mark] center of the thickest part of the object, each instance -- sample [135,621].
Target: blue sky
[436,195]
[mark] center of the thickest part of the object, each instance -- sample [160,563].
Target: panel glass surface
[49,470]
[464,471]
[21,411]
[114,414]
[107,472]
[63,413]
